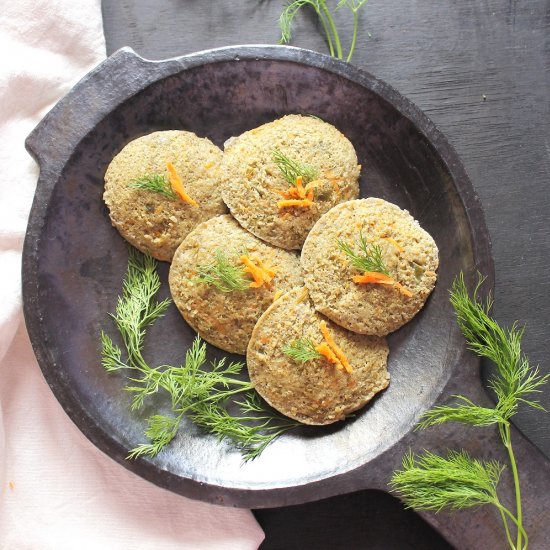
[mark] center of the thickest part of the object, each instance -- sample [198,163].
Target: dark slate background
[480,69]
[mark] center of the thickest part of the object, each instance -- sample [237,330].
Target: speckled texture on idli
[226,319]
[149,221]
[252,181]
[314,392]
[409,253]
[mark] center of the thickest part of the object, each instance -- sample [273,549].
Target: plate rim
[234,496]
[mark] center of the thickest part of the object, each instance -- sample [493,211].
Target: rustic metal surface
[74,263]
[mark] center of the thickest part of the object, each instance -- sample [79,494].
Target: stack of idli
[311,323]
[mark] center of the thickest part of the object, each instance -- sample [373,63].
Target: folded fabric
[57,491]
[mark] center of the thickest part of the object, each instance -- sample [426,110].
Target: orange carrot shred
[325,350]
[260,273]
[405,291]
[301,203]
[333,346]
[303,295]
[381,279]
[395,243]
[373,277]
[298,195]
[177,185]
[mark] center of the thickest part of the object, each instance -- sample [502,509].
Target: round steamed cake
[226,319]
[151,222]
[252,182]
[408,252]
[314,391]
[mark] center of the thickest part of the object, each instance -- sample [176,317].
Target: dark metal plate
[74,261]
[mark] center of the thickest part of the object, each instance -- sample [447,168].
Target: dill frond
[291,169]
[430,482]
[368,259]
[111,355]
[302,350]
[465,412]
[514,378]
[252,431]
[326,20]
[457,481]
[222,274]
[155,183]
[193,389]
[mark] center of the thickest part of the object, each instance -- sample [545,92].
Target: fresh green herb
[513,383]
[327,22]
[291,169]
[302,350]
[154,183]
[354,6]
[201,394]
[369,259]
[252,431]
[222,274]
[432,482]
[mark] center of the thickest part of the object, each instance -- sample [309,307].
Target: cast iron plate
[74,261]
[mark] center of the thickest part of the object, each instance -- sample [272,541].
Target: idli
[310,369]
[222,279]
[161,186]
[369,266]
[278,179]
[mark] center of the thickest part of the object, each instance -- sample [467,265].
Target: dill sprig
[201,393]
[515,379]
[155,183]
[302,350]
[457,481]
[291,169]
[251,432]
[513,382]
[327,23]
[222,274]
[368,259]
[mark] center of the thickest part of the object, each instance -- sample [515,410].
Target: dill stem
[507,440]
[326,30]
[354,36]
[332,26]
[244,386]
[505,512]
[505,523]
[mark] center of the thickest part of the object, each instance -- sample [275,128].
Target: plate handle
[95,95]
[480,527]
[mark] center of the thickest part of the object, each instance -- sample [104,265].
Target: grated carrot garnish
[303,296]
[298,195]
[395,243]
[177,185]
[300,203]
[429,273]
[325,350]
[261,274]
[405,291]
[373,277]
[332,344]
[277,295]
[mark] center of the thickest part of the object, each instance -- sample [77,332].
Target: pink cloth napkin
[57,491]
